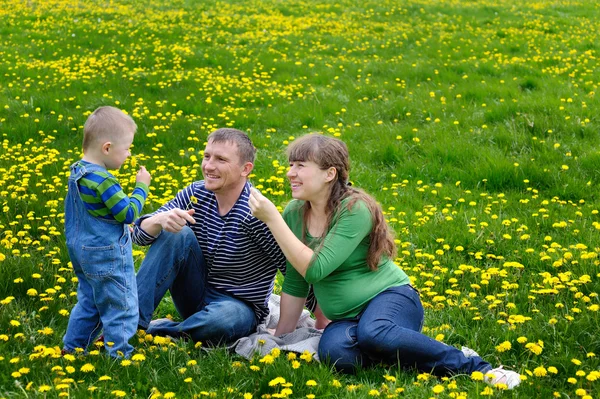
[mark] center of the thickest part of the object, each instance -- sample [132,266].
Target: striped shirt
[241,255]
[104,198]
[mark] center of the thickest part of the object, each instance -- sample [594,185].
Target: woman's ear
[331,174]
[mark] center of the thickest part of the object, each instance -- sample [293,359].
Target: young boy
[97,214]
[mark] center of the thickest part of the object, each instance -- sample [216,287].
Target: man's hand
[262,208]
[175,219]
[143,176]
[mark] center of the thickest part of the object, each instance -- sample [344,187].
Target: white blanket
[304,338]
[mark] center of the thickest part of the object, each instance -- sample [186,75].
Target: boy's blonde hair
[106,124]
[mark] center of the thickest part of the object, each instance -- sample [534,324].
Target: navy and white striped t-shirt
[241,255]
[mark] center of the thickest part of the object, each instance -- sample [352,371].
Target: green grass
[474,123]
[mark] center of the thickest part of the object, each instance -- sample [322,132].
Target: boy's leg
[389,329]
[116,300]
[173,262]
[84,321]
[219,319]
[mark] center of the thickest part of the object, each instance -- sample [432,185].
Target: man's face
[222,168]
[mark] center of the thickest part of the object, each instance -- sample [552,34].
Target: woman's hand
[262,208]
[298,254]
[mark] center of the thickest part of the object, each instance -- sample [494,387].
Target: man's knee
[225,322]
[184,236]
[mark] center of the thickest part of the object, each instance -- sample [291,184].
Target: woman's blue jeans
[389,331]
[175,262]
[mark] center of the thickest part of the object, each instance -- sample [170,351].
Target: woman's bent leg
[389,329]
[339,346]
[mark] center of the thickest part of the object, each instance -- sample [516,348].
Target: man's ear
[106,147]
[247,169]
[331,174]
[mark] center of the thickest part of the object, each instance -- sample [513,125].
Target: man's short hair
[105,124]
[246,150]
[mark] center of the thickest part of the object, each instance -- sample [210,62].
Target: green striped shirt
[104,198]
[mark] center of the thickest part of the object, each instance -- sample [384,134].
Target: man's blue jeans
[388,331]
[175,262]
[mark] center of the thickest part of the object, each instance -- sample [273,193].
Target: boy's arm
[123,208]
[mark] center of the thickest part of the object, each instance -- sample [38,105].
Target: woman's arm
[297,254]
[339,243]
[289,313]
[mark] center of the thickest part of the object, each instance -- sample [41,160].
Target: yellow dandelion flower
[504,346]
[44,388]
[438,389]
[306,356]
[88,367]
[477,376]
[267,359]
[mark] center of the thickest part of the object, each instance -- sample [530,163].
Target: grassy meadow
[474,123]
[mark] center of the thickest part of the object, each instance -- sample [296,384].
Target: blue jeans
[388,331]
[100,252]
[175,263]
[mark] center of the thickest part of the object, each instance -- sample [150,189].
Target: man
[221,269]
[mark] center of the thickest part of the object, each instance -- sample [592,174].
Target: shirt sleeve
[342,239]
[123,208]
[294,284]
[182,200]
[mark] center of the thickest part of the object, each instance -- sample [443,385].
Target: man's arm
[172,221]
[171,217]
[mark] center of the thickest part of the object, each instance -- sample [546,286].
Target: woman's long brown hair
[329,152]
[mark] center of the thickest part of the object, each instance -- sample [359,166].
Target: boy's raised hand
[143,176]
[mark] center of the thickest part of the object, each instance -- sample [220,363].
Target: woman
[335,238]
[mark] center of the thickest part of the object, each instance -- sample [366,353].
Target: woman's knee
[374,338]
[338,348]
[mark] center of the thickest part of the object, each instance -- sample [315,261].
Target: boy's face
[118,151]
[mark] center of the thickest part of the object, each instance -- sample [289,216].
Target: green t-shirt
[343,283]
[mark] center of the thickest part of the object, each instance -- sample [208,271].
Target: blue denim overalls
[100,251]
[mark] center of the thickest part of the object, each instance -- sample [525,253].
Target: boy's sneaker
[500,376]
